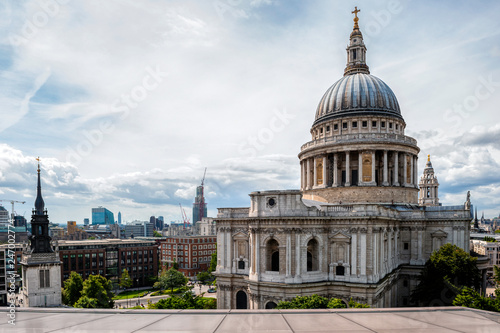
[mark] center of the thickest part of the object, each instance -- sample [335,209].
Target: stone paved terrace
[409,320]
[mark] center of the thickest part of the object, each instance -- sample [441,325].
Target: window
[328,128]
[397,126]
[44,278]
[365,123]
[344,125]
[335,127]
[382,124]
[354,124]
[340,270]
[273,255]
[321,130]
[312,255]
[405,246]
[374,123]
[194,253]
[390,125]
[241,264]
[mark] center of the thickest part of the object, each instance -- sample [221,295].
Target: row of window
[181,253]
[186,247]
[181,259]
[363,123]
[190,240]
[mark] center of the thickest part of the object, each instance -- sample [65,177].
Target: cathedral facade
[357,227]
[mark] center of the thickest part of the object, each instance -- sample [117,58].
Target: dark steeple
[39,204]
[40,239]
[476,222]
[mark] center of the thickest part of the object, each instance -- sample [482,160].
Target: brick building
[108,257]
[192,253]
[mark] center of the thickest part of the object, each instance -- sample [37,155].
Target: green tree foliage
[497,231]
[125,280]
[317,302]
[175,265]
[97,288]
[73,287]
[353,304]
[87,303]
[447,270]
[186,301]
[489,239]
[304,302]
[213,262]
[171,279]
[496,274]
[156,234]
[470,298]
[336,303]
[204,276]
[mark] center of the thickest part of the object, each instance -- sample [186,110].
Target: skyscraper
[199,205]
[119,217]
[101,215]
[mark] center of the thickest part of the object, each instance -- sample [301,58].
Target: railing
[360,137]
[347,208]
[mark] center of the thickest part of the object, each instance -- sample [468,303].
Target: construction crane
[184,216]
[201,208]
[12,202]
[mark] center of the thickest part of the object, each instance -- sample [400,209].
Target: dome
[358,94]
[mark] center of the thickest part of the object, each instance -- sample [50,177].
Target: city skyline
[127,116]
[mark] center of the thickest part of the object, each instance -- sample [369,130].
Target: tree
[86,303]
[203,276]
[72,290]
[336,303]
[304,302]
[98,288]
[171,279]
[186,301]
[489,239]
[156,234]
[355,305]
[470,298]
[213,262]
[445,273]
[175,265]
[125,280]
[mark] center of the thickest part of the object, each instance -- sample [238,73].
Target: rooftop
[448,319]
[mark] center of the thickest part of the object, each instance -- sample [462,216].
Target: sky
[126,102]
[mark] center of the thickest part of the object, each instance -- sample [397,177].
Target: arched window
[241,300]
[271,305]
[273,256]
[339,270]
[312,255]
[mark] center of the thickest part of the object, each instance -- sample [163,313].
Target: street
[131,302]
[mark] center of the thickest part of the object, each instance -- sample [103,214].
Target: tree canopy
[125,280]
[171,279]
[186,301]
[204,276]
[213,262]
[445,273]
[318,302]
[72,290]
[96,293]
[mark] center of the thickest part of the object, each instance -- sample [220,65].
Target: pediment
[439,234]
[240,236]
[340,236]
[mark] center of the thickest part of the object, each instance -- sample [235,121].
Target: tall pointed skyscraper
[41,267]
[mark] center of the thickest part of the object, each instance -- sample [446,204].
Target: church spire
[39,204]
[356,51]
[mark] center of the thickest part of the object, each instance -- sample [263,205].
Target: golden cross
[428,158]
[356,11]
[38,158]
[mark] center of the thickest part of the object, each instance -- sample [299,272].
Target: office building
[101,215]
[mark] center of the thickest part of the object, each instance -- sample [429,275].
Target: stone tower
[428,186]
[41,267]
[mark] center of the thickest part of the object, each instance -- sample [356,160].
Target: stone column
[288,254]
[374,179]
[229,243]
[363,256]
[297,257]
[412,172]
[335,170]
[315,173]
[405,166]
[257,254]
[308,177]
[347,169]
[252,259]
[302,175]
[415,171]
[360,168]
[386,170]
[354,253]
[396,169]
[325,180]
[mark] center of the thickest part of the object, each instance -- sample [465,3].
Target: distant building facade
[206,227]
[109,257]
[4,216]
[101,215]
[191,253]
[139,229]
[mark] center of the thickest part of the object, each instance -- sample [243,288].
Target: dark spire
[39,204]
[476,222]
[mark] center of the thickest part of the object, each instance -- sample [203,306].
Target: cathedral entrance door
[241,300]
